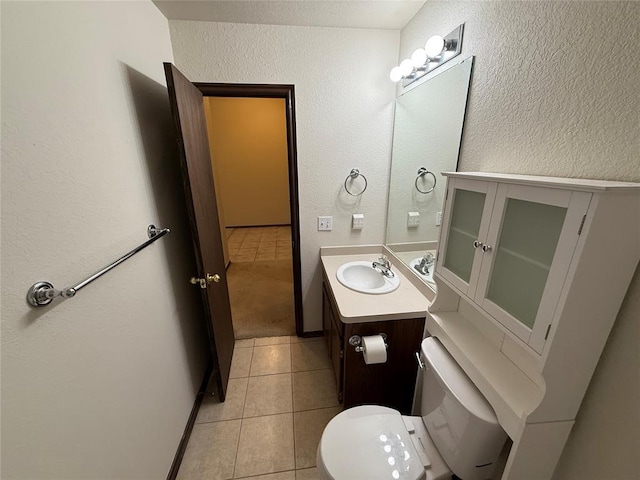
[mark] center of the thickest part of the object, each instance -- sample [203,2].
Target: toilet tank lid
[456,381]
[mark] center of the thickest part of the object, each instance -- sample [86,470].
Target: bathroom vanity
[400,315]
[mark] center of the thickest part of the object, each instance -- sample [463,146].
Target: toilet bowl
[457,432]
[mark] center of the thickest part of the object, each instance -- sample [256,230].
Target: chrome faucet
[427,261]
[383,266]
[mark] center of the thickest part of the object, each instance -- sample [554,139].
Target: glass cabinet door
[525,249]
[529,246]
[467,220]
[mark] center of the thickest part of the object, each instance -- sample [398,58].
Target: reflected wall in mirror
[427,133]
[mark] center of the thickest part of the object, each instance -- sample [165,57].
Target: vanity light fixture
[437,50]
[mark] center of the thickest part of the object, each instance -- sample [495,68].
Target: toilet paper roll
[374,350]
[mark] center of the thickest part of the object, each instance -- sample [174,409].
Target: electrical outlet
[357,221]
[325,223]
[438,218]
[413,219]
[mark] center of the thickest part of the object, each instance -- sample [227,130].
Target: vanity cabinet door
[333,336]
[467,214]
[526,256]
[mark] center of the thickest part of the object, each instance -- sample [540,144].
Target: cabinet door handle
[477,244]
[486,248]
[420,364]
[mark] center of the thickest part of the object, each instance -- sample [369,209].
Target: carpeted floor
[261,295]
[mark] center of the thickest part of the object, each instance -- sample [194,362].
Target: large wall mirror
[426,142]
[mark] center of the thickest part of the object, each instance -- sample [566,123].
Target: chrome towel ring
[421,173]
[355,173]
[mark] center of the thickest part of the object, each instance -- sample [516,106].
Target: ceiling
[382,14]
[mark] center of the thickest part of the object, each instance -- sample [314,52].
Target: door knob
[212,278]
[477,244]
[201,281]
[486,248]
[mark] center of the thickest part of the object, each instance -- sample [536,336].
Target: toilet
[457,432]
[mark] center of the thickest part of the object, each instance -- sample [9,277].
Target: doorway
[251,132]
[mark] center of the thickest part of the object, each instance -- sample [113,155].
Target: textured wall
[554,91]
[248,141]
[344,109]
[100,385]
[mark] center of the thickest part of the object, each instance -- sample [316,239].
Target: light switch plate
[325,223]
[357,221]
[438,218]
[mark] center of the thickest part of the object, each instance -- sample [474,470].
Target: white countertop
[356,307]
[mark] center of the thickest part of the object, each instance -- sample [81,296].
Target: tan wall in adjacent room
[248,144]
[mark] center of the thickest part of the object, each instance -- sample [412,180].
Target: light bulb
[434,46]
[396,74]
[419,58]
[406,67]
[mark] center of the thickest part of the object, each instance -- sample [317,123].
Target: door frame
[286,92]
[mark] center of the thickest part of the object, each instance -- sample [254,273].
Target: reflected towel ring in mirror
[421,173]
[355,173]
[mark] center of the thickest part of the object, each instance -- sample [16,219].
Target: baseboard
[316,333]
[182,446]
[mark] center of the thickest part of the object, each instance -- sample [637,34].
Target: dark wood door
[197,175]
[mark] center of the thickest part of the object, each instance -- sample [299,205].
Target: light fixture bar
[436,52]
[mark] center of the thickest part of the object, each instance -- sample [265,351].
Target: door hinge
[584,217]
[341,353]
[546,335]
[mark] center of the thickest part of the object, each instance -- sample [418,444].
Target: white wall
[344,116]
[100,385]
[554,91]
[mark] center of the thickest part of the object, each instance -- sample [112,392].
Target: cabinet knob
[477,244]
[212,278]
[486,248]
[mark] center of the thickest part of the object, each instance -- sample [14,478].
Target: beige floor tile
[309,356]
[233,250]
[248,250]
[267,242]
[284,256]
[211,451]
[261,342]
[242,258]
[266,249]
[308,428]
[244,342]
[265,256]
[270,360]
[213,410]
[296,339]
[266,445]
[308,474]
[269,395]
[314,389]
[290,475]
[241,362]
[250,243]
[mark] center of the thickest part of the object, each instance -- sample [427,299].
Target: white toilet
[457,432]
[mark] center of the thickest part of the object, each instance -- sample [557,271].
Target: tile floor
[281,395]
[259,243]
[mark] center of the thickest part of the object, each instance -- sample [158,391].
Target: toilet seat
[368,443]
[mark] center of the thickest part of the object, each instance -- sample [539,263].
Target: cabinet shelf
[524,258]
[464,233]
[510,392]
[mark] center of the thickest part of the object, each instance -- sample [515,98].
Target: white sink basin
[362,277]
[429,276]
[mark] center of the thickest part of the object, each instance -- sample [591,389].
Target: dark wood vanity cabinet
[391,383]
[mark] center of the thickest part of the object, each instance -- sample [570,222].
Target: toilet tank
[460,421]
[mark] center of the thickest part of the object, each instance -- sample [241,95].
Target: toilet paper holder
[356,341]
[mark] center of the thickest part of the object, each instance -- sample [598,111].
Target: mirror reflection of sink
[362,277]
[427,277]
